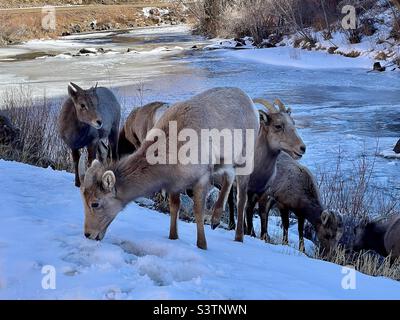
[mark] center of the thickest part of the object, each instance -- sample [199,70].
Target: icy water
[348,112]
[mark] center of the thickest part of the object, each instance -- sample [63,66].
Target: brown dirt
[24,24]
[40,3]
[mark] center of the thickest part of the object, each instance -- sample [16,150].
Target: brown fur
[294,190]
[8,132]
[139,122]
[380,236]
[86,117]
[107,190]
[277,132]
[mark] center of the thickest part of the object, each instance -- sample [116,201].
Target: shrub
[40,143]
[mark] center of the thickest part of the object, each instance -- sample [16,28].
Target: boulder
[332,50]
[397,147]
[378,67]
[87,51]
[76,28]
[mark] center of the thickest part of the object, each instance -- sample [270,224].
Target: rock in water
[397,147]
[378,67]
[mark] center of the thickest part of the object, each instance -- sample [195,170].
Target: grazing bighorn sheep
[106,190]
[139,122]
[8,132]
[86,117]
[294,189]
[277,132]
[381,236]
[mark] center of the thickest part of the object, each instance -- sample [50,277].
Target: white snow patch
[147,14]
[390,154]
[42,224]
[292,57]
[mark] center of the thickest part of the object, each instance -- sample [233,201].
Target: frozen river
[349,109]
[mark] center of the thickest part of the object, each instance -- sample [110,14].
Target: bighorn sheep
[381,236]
[139,122]
[277,132]
[294,189]
[106,190]
[8,132]
[86,117]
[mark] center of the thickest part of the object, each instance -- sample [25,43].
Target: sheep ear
[73,93]
[74,90]
[108,180]
[325,217]
[264,117]
[94,89]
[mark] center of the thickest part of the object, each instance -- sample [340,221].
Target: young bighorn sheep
[139,122]
[381,236]
[106,190]
[294,190]
[86,117]
[277,132]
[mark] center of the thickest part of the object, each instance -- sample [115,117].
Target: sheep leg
[113,139]
[231,204]
[300,223]
[285,224]
[92,149]
[264,206]
[174,206]
[199,198]
[75,157]
[220,204]
[249,214]
[242,185]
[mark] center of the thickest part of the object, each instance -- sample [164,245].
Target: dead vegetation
[263,19]
[17,26]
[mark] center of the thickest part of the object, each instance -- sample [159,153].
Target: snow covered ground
[378,47]
[298,58]
[41,224]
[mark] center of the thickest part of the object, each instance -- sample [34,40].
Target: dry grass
[39,142]
[20,26]
[365,262]
[15,27]
[354,194]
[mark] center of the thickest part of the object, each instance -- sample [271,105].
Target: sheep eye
[278,127]
[83,106]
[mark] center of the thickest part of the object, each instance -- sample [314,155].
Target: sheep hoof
[239,238]
[202,245]
[173,237]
